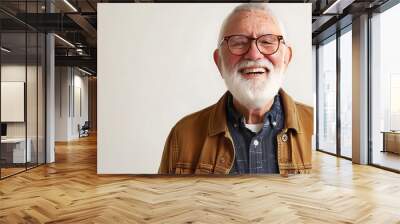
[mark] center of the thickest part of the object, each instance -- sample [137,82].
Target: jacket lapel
[217,122]
[291,114]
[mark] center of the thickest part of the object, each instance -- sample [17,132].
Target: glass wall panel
[32,95]
[13,92]
[346,94]
[22,87]
[327,96]
[41,91]
[41,98]
[385,85]
[31,86]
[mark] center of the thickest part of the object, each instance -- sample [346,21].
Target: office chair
[84,130]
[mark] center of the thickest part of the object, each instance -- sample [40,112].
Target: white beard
[253,93]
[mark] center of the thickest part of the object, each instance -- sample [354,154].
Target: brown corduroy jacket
[200,143]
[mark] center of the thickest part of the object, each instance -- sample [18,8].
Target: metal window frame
[334,37]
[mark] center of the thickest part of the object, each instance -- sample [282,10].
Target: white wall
[155,66]
[68,81]
[62,80]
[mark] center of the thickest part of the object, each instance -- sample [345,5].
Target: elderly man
[255,127]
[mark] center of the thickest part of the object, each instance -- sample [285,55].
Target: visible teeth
[253,70]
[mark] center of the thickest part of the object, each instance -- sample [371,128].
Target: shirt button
[222,160]
[274,123]
[255,142]
[235,125]
[284,137]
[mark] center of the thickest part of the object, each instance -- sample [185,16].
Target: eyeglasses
[267,44]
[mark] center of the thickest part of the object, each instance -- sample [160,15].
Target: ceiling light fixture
[70,5]
[331,7]
[84,71]
[337,7]
[5,50]
[65,41]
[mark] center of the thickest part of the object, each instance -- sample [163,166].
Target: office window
[327,97]
[385,89]
[346,94]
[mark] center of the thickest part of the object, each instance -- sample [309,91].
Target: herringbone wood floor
[69,191]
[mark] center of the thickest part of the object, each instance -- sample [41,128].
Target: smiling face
[253,78]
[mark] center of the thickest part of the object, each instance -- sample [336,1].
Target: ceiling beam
[84,24]
[83,61]
[337,6]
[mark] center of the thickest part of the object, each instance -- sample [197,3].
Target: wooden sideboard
[391,141]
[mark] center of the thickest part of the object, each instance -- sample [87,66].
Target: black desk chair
[84,130]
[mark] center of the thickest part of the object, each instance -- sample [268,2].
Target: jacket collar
[292,118]
[218,123]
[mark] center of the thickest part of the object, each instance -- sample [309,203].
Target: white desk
[18,150]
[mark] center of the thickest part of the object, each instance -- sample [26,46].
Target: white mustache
[250,63]
[252,93]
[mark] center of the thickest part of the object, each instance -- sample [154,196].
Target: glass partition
[32,95]
[13,94]
[22,63]
[327,96]
[41,96]
[346,94]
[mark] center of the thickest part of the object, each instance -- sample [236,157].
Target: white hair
[251,7]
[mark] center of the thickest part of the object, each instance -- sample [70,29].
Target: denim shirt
[255,152]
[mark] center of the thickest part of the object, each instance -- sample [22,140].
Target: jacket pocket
[184,168]
[204,169]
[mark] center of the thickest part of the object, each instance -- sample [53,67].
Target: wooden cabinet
[391,142]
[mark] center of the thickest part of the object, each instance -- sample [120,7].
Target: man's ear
[288,55]
[217,59]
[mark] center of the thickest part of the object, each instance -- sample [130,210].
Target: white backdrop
[155,66]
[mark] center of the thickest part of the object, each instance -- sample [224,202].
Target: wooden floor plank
[70,191]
